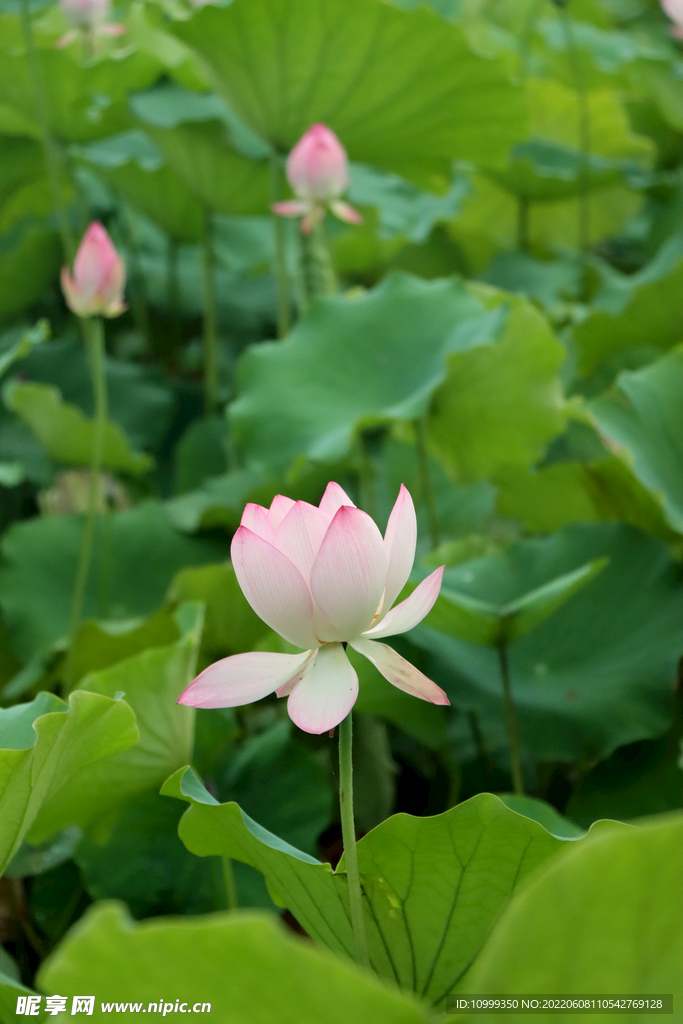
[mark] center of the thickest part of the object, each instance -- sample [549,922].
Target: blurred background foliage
[507,340]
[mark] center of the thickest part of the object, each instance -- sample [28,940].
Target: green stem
[525,38]
[426,485]
[94,335]
[318,273]
[53,163]
[349,838]
[510,714]
[281,274]
[231,901]
[211,377]
[173,298]
[585,141]
[366,478]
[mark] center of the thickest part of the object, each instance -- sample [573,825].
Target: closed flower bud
[99,277]
[674,9]
[318,172]
[86,13]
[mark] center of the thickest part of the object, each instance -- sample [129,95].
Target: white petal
[411,611]
[347,578]
[333,499]
[400,672]
[243,678]
[274,588]
[327,692]
[279,507]
[400,539]
[300,535]
[255,518]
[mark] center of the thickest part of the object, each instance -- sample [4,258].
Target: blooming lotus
[96,288]
[318,171]
[323,578]
[674,9]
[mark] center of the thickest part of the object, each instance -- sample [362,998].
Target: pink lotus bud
[317,167]
[86,14]
[674,9]
[89,18]
[322,577]
[96,288]
[318,171]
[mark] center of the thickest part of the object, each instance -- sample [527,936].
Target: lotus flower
[318,171]
[674,9]
[96,288]
[89,17]
[322,577]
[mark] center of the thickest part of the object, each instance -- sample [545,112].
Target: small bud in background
[99,277]
[318,172]
[674,10]
[89,19]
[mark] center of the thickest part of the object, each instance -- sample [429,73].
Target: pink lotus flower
[96,288]
[89,18]
[322,578]
[318,171]
[674,9]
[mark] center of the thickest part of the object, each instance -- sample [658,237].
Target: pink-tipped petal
[327,692]
[345,212]
[348,575]
[255,518]
[333,499]
[291,208]
[399,672]
[112,29]
[300,535]
[400,539]
[274,588]
[408,613]
[243,678]
[279,507]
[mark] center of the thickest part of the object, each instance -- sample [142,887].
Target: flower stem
[211,376]
[53,162]
[349,838]
[511,715]
[94,336]
[318,273]
[584,129]
[231,901]
[281,274]
[426,485]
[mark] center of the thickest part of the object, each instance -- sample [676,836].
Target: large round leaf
[644,415]
[422,936]
[595,675]
[132,568]
[604,918]
[214,173]
[398,88]
[500,404]
[353,361]
[82,102]
[242,967]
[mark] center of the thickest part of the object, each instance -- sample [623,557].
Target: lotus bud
[318,172]
[99,277]
[89,20]
[674,10]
